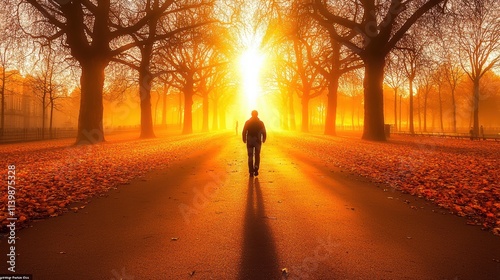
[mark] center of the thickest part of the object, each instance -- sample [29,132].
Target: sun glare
[251,62]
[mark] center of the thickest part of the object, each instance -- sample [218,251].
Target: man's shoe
[251,174]
[256,172]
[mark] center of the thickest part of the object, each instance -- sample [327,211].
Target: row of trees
[166,41]
[192,45]
[399,43]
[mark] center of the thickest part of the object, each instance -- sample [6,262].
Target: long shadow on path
[259,258]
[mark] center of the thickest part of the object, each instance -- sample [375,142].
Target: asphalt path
[202,217]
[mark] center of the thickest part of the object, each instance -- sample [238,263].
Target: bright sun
[251,62]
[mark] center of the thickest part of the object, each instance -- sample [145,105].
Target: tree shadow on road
[259,258]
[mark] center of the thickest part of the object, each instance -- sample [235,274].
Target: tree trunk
[331,109]
[440,110]
[359,118]
[180,110]
[418,113]
[353,105]
[215,121]
[284,112]
[204,126]
[90,126]
[425,111]
[145,80]
[475,101]
[412,128]
[454,110]
[396,108]
[51,117]
[155,122]
[44,109]
[374,99]
[164,107]
[291,111]
[2,91]
[305,112]
[400,111]
[188,106]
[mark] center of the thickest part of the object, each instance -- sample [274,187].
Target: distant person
[481,132]
[254,134]
[471,132]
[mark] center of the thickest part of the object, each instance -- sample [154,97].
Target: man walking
[254,134]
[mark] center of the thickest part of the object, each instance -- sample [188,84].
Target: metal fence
[34,134]
[493,134]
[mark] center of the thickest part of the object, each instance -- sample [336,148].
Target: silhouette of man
[254,134]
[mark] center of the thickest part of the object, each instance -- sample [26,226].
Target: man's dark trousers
[253,148]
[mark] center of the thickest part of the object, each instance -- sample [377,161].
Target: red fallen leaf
[422,166]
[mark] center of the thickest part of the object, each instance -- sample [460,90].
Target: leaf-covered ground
[51,175]
[460,175]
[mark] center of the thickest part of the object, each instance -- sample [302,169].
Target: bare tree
[332,60]
[445,47]
[411,50]
[425,81]
[310,82]
[395,79]
[166,80]
[219,83]
[453,74]
[282,79]
[301,35]
[350,85]
[282,76]
[11,48]
[94,32]
[439,78]
[182,56]
[44,83]
[193,57]
[147,41]
[376,28]
[478,30]
[6,57]
[217,53]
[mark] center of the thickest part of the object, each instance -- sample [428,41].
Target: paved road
[204,218]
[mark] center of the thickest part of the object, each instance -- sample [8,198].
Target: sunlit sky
[251,62]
